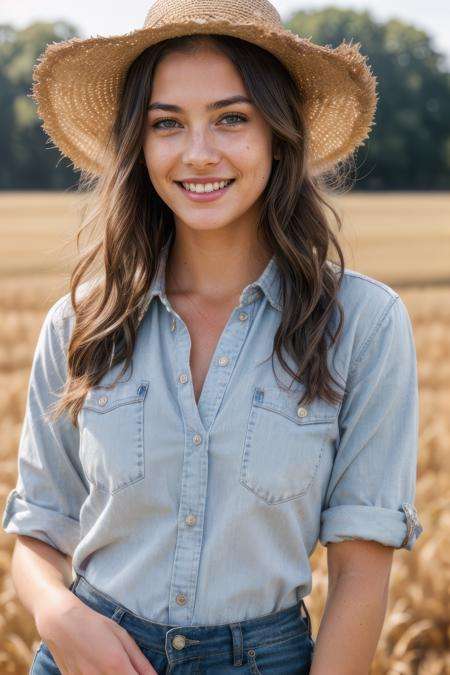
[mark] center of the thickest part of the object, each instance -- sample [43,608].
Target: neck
[211,272]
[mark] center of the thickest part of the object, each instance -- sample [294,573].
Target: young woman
[196,449]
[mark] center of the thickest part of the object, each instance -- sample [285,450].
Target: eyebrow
[211,106]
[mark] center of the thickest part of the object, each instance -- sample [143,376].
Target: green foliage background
[409,146]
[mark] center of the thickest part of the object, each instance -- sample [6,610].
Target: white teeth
[205,187]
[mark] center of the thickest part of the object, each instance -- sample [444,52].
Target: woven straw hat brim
[76,85]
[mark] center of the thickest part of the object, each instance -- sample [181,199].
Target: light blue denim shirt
[200,515]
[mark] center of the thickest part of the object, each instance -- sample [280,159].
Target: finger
[137,658]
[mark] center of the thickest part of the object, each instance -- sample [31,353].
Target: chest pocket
[112,435]
[284,443]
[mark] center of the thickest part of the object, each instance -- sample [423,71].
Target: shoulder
[370,307]
[361,290]
[61,315]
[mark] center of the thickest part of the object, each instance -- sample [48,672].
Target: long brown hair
[134,224]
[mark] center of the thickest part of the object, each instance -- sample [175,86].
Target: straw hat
[76,83]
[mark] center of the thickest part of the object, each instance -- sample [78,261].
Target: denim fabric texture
[279,643]
[206,514]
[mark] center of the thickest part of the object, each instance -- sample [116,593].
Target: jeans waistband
[174,640]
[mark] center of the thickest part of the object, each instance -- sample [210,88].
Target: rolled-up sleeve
[49,492]
[372,485]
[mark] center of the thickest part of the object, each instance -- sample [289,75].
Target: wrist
[51,609]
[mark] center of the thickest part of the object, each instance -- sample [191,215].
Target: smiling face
[198,142]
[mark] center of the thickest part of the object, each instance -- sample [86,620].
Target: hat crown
[165,12]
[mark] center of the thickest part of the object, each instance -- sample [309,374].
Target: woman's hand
[84,642]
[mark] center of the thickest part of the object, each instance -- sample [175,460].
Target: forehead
[205,74]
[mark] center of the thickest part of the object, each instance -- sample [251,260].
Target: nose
[201,149]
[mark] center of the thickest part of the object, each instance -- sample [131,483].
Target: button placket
[193,493]
[198,421]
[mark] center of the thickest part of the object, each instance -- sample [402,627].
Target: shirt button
[191,519]
[181,599]
[197,439]
[183,378]
[302,412]
[179,641]
[173,325]
[243,316]
[224,360]
[103,400]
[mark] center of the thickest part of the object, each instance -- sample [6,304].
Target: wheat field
[402,239]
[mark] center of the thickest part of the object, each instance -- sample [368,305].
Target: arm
[36,569]
[42,510]
[74,633]
[46,501]
[39,572]
[356,604]
[369,505]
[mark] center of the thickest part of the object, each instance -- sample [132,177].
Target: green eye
[241,118]
[156,125]
[237,116]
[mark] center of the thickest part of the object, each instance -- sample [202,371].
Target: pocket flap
[102,399]
[286,403]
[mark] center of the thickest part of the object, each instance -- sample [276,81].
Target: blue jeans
[276,643]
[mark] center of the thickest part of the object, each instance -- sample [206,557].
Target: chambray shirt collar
[269,282]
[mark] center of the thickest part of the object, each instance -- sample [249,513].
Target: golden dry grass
[399,239]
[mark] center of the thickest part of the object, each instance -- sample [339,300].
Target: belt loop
[308,618]
[118,614]
[301,603]
[299,600]
[238,647]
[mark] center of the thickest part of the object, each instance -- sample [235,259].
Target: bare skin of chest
[204,335]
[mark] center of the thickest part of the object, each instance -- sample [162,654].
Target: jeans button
[179,641]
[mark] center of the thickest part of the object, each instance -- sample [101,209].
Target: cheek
[159,164]
[157,152]
[258,163]
[255,152]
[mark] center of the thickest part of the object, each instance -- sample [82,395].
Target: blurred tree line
[409,146]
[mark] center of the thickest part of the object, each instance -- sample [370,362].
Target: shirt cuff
[22,517]
[398,528]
